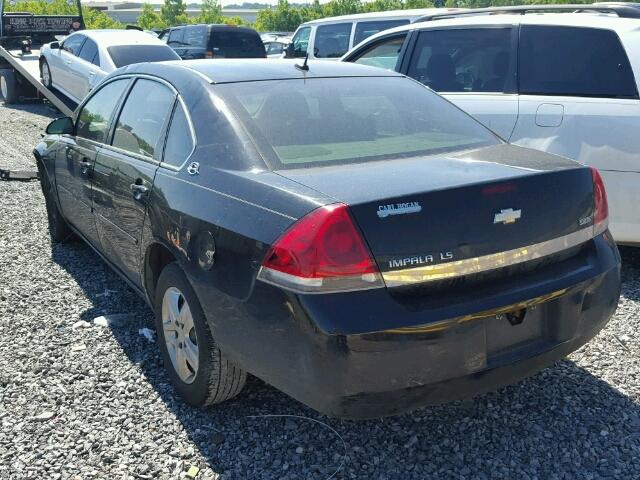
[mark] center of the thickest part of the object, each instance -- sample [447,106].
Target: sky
[223,2]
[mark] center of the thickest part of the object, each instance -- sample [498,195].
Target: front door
[75,159]
[124,173]
[474,68]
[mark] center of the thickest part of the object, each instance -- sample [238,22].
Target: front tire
[199,371]
[8,86]
[59,229]
[45,73]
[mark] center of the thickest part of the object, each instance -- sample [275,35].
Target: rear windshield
[302,123]
[129,54]
[236,44]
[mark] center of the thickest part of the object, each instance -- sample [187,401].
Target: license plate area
[507,335]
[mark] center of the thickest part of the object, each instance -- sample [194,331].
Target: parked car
[276,46]
[215,41]
[364,246]
[77,64]
[332,37]
[558,82]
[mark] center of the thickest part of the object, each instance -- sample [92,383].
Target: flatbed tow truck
[21,36]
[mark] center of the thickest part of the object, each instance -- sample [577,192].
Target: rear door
[75,160]
[578,98]
[472,67]
[195,42]
[332,41]
[125,169]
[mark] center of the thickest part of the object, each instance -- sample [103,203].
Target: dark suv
[215,41]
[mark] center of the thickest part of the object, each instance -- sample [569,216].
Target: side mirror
[60,126]
[54,45]
[288,52]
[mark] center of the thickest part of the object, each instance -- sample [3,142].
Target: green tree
[174,12]
[149,19]
[97,19]
[210,12]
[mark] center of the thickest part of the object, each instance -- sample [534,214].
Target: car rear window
[574,61]
[129,54]
[234,43]
[301,123]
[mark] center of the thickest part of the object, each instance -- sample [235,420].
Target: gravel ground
[94,402]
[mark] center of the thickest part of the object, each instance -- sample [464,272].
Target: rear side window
[574,61]
[179,141]
[196,36]
[89,52]
[142,118]
[332,41]
[366,29]
[93,120]
[383,54]
[236,43]
[129,54]
[469,60]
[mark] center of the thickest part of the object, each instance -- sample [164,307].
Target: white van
[330,38]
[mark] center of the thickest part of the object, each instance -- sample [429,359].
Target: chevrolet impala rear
[435,262]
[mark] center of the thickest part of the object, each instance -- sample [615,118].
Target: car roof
[412,13]
[256,69]
[583,19]
[110,38]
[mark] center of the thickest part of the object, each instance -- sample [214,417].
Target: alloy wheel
[3,87]
[180,334]
[46,74]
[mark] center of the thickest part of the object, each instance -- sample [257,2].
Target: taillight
[600,205]
[208,54]
[322,252]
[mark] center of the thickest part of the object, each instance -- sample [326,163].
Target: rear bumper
[318,348]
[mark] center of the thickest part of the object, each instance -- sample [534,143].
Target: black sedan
[339,231]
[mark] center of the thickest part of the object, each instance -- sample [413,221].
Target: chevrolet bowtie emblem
[506,216]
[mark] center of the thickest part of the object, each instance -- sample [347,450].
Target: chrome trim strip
[469,266]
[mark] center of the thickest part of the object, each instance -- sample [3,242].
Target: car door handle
[139,190]
[85,166]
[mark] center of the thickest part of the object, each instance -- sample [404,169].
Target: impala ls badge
[507,216]
[398,209]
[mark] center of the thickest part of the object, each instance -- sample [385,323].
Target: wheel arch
[157,256]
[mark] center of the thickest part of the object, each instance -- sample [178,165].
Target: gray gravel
[94,402]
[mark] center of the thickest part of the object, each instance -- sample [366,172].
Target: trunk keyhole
[517,317]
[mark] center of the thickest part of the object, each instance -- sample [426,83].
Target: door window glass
[366,29]
[179,141]
[176,37]
[142,118]
[574,61]
[383,54]
[332,41]
[301,42]
[196,36]
[93,120]
[73,44]
[464,60]
[89,50]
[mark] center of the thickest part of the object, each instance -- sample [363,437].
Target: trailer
[21,36]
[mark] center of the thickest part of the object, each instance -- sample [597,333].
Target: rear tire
[45,73]
[8,86]
[199,371]
[59,229]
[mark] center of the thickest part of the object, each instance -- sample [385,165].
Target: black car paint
[345,354]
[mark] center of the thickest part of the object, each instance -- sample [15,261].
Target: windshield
[129,54]
[302,123]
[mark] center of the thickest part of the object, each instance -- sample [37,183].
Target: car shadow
[556,424]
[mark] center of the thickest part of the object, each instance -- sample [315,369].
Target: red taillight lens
[600,204]
[322,252]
